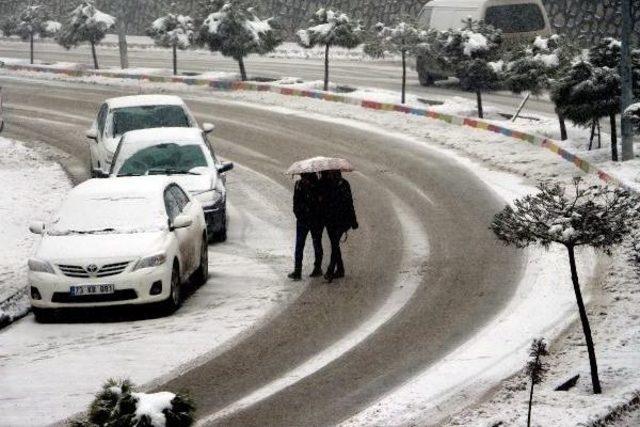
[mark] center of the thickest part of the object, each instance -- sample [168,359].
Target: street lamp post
[626,77]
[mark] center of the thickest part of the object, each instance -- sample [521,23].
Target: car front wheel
[174,300]
[202,273]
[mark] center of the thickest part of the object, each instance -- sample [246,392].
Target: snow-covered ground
[32,187]
[44,366]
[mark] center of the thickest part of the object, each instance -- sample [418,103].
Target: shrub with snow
[8,26]
[595,216]
[330,28]
[536,368]
[85,24]
[633,113]
[472,51]
[117,404]
[405,38]
[34,21]
[236,31]
[174,31]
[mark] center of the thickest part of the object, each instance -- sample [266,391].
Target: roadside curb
[231,85]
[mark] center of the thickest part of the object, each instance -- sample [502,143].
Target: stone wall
[585,20]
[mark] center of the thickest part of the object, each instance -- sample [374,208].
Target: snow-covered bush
[587,93]
[8,26]
[405,38]
[633,113]
[330,28]
[174,31]
[34,21]
[472,51]
[86,24]
[117,404]
[595,216]
[534,68]
[236,31]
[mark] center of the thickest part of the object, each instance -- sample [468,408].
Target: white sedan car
[119,242]
[187,156]
[118,116]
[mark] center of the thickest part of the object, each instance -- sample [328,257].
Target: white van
[519,20]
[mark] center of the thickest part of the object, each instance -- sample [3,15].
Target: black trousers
[302,231]
[335,264]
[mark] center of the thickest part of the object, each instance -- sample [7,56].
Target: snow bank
[33,186]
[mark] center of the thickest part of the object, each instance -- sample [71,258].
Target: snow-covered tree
[536,369]
[535,68]
[174,31]
[473,51]
[633,113]
[86,24]
[330,28]
[236,31]
[117,404]
[595,216]
[35,21]
[405,39]
[8,26]
[586,94]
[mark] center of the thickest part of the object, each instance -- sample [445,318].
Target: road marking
[416,252]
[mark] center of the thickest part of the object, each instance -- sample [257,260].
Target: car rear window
[516,18]
[160,159]
[155,116]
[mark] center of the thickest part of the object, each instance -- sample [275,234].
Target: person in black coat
[306,207]
[339,216]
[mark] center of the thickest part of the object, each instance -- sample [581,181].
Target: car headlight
[40,266]
[209,198]
[150,261]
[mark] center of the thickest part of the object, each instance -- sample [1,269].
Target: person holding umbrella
[334,210]
[339,217]
[306,207]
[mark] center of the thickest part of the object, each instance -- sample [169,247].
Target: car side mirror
[208,127]
[226,167]
[181,221]
[37,227]
[92,134]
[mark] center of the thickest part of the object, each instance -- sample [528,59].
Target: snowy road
[466,278]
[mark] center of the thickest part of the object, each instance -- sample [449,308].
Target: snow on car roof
[457,3]
[144,100]
[147,187]
[175,135]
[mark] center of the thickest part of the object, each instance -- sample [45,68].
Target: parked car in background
[119,242]
[118,116]
[519,20]
[188,157]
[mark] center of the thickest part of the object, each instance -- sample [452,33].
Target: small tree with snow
[117,404]
[586,94]
[633,113]
[330,28]
[599,217]
[86,24]
[536,369]
[471,51]
[174,31]
[35,21]
[8,26]
[405,39]
[236,31]
[535,68]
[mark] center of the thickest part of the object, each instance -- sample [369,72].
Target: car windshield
[161,159]
[516,18]
[154,116]
[117,214]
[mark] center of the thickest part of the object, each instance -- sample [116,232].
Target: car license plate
[82,290]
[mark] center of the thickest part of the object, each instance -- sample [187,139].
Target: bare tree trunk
[95,56]
[122,44]
[479,97]
[614,138]
[530,404]
[31,47]
[326,68]
[175,60]
[584,319]
[243,71]
[404,76]
[563,127]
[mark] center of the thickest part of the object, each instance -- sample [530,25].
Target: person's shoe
[338,274]
[328,277]
[317,272]
[295,276]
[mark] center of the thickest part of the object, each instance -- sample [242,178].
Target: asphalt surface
[466,279]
